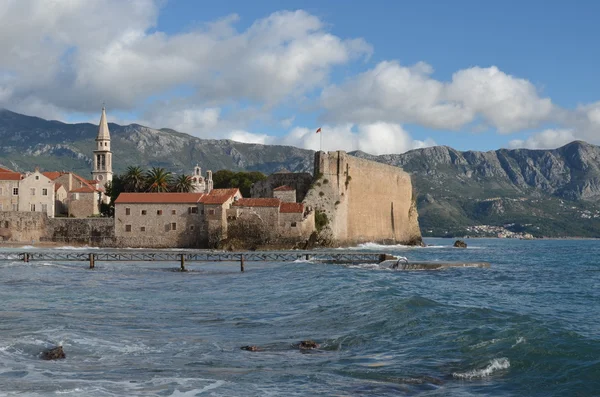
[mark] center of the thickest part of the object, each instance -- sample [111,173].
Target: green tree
[182,184]
[158,179]
[134,179]
[242,180]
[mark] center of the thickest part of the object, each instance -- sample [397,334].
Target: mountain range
[553,193]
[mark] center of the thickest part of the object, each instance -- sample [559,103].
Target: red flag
[319,130]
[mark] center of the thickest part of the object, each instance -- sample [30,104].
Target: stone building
[285,193]
[161,220]
[9,190]
[158,220]
[36,194]
[83,197]
[300,182]
[269,221]
[84,202]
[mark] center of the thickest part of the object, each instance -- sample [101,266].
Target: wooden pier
[183,257]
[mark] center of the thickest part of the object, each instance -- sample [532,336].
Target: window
[192,210]
[15,207]
[201,212]
[44,192]
[127,228]
[143,229]
[173,226]
[143,212]
[158,212]
[32,207]
[127,211]
[173,212]
[192,228]
[32,191]
[15,191]
[293,224]
[44,207]
[211,212]
[75,196]
[37,177]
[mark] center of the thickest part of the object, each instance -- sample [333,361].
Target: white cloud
[248,137]
[374,138]
[74,55]
[394,93]
[548,139]
[506,102]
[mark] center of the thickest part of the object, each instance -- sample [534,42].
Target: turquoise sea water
[529,326]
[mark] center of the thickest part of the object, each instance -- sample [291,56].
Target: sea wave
[494,365]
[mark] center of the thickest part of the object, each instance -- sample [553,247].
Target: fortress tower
[102,169]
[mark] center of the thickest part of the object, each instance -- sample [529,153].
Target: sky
[378,76]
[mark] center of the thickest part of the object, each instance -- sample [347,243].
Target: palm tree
[158,179]
[182,184]
[134,179]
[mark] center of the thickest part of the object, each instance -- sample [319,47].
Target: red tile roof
[57,186]
[284,188]
[84,189]
[159,198]
[220,196]
[10,176]
[52,175]
[257,202]
[291,208]
[2,169]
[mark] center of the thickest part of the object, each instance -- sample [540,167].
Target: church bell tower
[102,170]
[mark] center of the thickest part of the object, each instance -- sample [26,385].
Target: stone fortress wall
[364,201]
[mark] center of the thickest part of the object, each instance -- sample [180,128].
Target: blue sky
[380,76]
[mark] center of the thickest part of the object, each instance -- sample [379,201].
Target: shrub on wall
[321,220]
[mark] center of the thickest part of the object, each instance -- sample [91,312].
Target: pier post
[242,263]
[26,257]
[92,260]
[307,257]
[182,260]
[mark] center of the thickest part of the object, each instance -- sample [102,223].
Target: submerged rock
[56,353]
[250,348]
[308,344]
[460,244]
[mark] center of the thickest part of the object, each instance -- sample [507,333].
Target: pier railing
[196,256]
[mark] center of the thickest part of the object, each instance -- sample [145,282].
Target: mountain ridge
[456,189]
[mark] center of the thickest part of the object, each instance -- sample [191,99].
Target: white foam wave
[520,340]
[495,365]
[367,266]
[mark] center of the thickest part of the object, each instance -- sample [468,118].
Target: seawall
[28,227]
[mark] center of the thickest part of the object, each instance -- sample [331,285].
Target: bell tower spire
[102,168]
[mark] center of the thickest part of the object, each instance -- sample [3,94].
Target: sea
[527,326]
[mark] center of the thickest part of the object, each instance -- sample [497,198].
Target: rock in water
[250,348]
[56,353]
[308,344]
[460,244]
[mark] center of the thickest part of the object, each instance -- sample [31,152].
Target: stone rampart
[33,227]
[364,201]
[87,231]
